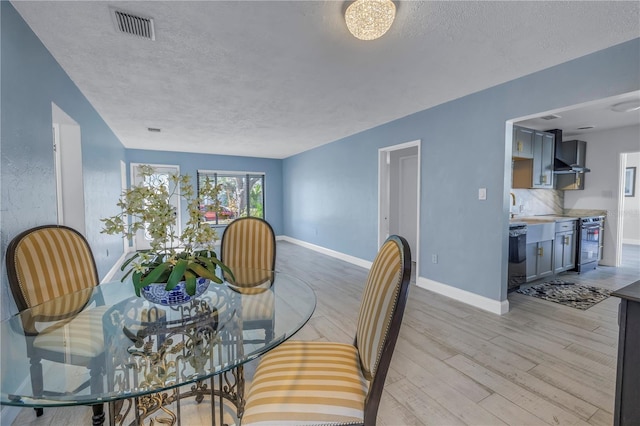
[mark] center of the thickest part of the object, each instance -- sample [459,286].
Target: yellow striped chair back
[329,383]
[379,301]
[49,261]
[248,248]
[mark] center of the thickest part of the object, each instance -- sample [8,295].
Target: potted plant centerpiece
[175,264]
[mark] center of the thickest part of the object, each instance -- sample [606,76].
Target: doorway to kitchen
[67,150]
[399,196]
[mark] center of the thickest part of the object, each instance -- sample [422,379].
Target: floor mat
[566,293]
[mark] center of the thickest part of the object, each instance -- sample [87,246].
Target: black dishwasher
[517,271]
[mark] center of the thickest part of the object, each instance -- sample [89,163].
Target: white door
[407,208]
[399,194]
[142,239]
[67,148]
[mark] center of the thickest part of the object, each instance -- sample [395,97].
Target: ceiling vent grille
[129,23]
[550,117]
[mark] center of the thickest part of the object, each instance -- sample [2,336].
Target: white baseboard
[115,268]
[481,302]
[338,255]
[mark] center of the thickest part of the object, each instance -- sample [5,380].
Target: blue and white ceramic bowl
[156,292]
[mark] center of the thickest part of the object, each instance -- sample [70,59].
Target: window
[242,195]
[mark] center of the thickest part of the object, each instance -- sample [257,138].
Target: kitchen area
[573,210]
[545,238]
[575,220]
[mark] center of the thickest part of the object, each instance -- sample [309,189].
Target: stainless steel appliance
[517,270]
[569,166]
[589,242]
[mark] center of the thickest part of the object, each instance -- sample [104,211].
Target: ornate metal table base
[160,352]
[157,407]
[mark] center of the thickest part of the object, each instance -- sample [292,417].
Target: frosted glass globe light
[370,19]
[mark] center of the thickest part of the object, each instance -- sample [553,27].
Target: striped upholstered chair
[248,248]
[328,383]
[44,263]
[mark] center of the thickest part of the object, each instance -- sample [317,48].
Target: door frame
[384,182]
[68,169]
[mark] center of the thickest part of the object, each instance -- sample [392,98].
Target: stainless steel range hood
[570,155]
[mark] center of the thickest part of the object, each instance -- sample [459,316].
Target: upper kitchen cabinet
[536,171]
[543,157]
[522,142]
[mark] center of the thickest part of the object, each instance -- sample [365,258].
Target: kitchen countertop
[567,215]
[532,220]
[630,292]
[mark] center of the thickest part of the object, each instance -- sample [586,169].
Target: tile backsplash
[531,202]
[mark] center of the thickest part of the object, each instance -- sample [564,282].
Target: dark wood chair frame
[376,386]
[36,355]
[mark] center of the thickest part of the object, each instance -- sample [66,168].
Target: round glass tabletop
[107,344]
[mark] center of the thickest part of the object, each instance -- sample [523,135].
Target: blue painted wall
[326,196]
[190,164]
[31,80]
[331,192]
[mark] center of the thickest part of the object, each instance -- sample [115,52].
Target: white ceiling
[596,116]
[275,78]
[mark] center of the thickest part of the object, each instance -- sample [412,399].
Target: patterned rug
[575,295]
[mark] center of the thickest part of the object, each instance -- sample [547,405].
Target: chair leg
[268,331]
[98,415]
[36,381]
[95,377]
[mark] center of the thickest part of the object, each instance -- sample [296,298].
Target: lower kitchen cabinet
[539,259]
[564,247]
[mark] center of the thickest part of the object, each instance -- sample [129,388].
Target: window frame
[214,174]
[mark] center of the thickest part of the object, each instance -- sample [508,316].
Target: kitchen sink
[542,231]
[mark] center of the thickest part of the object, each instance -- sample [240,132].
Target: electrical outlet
[434,258]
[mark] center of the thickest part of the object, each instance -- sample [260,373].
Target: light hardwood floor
[540,364]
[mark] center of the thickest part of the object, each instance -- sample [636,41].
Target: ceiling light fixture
[627,106]
[370,19]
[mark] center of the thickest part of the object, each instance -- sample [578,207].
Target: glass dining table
[152,357]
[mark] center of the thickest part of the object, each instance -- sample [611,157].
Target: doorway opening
[399,196]
[142,240]
[628,238]
[67,150]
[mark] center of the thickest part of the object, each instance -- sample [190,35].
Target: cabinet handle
[520,148]
[544,179]
[541,251]
[577,180]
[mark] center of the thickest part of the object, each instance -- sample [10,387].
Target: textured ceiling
[275,78]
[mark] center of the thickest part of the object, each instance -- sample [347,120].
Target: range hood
[569,155]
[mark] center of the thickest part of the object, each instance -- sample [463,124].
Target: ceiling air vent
[549,117]
[130,23]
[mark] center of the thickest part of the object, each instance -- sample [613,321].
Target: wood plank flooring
[540,364]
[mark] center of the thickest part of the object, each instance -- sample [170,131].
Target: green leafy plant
[172,258]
